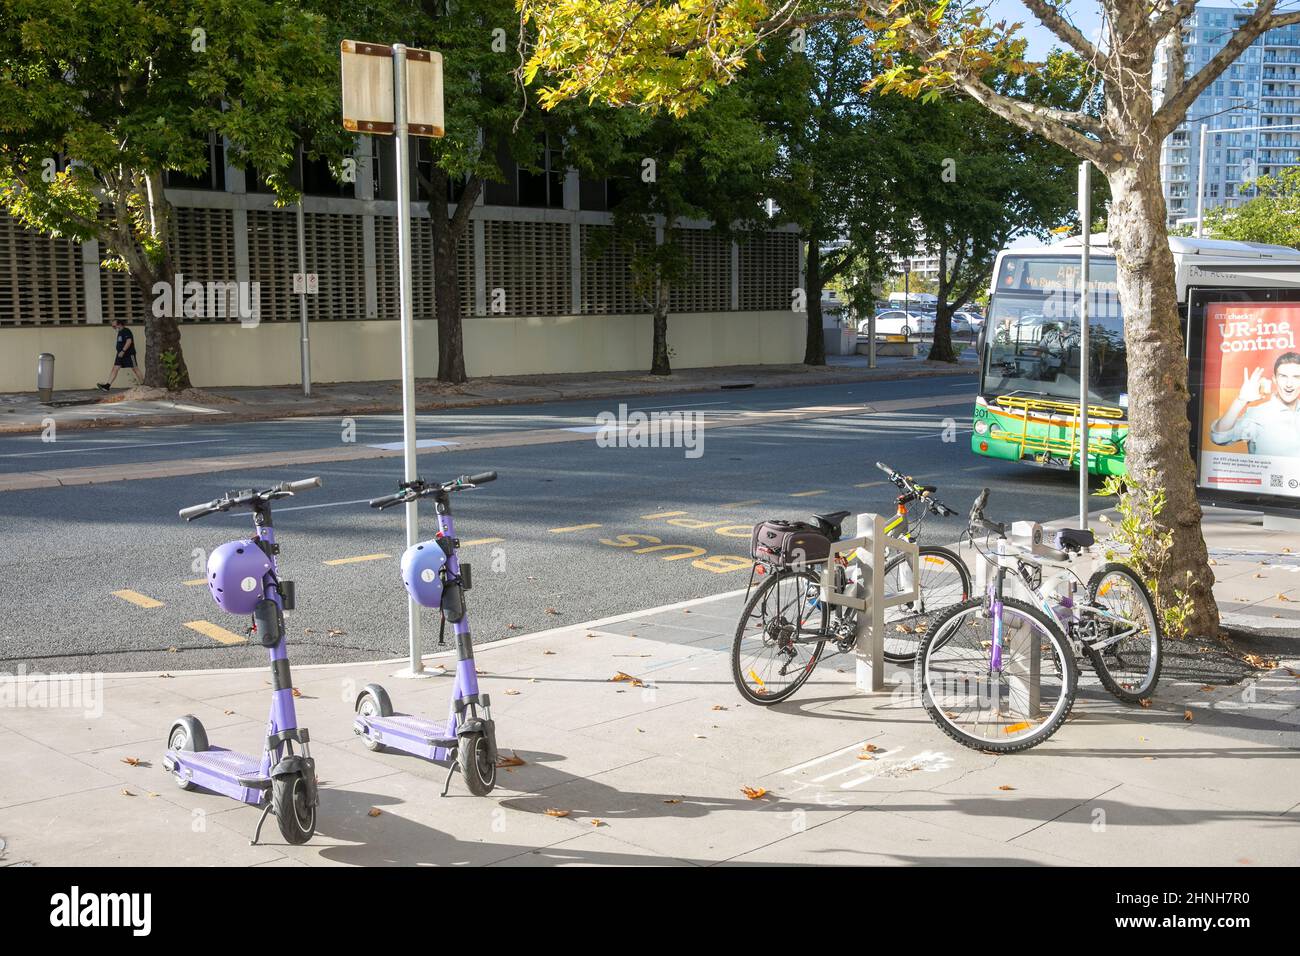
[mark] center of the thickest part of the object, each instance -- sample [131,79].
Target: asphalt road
[94,577]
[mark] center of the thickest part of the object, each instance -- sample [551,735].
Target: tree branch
[1179,101]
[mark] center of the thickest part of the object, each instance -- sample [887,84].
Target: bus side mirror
[979,341]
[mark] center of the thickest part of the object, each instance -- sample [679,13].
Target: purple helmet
[235,572]
[422,572]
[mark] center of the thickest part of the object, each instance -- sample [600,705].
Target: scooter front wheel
[476,765]
[296,818]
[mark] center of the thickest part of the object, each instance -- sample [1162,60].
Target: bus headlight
[981,427]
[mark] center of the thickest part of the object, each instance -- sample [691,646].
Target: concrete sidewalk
[656,774]
[22,412]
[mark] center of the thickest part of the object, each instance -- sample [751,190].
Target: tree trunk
[815,350]
[164,362]
[1158,447]
[660,364]
[447,231]
[941,349]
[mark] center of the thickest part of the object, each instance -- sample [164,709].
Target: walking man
[125,356]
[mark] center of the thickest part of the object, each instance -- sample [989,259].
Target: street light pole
[1200,184]
[1085,217]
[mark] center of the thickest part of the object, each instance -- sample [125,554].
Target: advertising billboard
[1250,398]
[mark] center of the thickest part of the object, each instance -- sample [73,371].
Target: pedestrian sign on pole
[393,90]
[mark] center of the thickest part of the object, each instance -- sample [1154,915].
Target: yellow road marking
[576,527]
[664,514]
[741,504]
[359,558]
[466,544]
[136,598]
[208,629]
[807,494]
[193,581]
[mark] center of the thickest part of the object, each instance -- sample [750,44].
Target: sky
[1084,14]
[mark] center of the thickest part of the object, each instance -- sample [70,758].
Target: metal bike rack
[1055,580]
[867,552]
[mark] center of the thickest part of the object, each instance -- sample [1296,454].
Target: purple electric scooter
[435,577]
[243,579]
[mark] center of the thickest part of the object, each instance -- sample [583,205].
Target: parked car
[973,319]
[898,322]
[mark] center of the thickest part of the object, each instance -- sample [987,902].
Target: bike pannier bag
[786,543]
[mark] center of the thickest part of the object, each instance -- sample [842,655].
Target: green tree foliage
[1272,216]
[100,98]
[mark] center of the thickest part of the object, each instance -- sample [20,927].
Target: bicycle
[785,626]
[1000,674]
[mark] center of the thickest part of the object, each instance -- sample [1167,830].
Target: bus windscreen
[1032,333]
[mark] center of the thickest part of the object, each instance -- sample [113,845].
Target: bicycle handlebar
[978,521]
[240,499]
[922,492]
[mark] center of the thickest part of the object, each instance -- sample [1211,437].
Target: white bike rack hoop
[864,591]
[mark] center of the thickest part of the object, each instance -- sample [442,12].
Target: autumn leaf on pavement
[374,812]
[552,611]
[597,823]
[514,760]
[1208,687]
[717,707]
[131,761]
[552,812]
[511,692]
[1144,702]
[512,627]
[620,677]
[674,800]
[1006,787]
[754,793]
[1187,715]
[548,653]
[127,793]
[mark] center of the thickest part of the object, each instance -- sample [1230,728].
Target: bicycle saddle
[1074,539]
[832,522]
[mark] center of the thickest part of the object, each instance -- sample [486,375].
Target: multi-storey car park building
[539,288]
[1252,113]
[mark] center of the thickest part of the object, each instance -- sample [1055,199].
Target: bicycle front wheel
[942,581]
[780,637]
[1123,638]
[1002,699]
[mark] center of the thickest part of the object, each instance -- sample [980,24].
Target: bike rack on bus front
[867,552]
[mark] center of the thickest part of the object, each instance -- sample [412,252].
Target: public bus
[1027,409]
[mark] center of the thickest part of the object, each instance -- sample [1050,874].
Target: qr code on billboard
[1275,481]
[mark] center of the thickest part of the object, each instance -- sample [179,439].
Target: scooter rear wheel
[373,702]
[289,804]
[187,733]
[476,765]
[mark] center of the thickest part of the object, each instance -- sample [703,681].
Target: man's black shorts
[126,361]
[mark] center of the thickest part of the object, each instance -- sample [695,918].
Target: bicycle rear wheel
[942,581]
[1130,666]
[780,637]
[1004,709]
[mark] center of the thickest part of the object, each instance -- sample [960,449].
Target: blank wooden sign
[368,89]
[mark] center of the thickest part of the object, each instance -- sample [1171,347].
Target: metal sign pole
[1085,218]
[403,182]
[302,299]
[1200,184]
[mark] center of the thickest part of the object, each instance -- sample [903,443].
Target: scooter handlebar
[482,478]
[387,501]
[198,511]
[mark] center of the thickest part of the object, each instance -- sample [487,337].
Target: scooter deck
[416,735]
[235,774]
